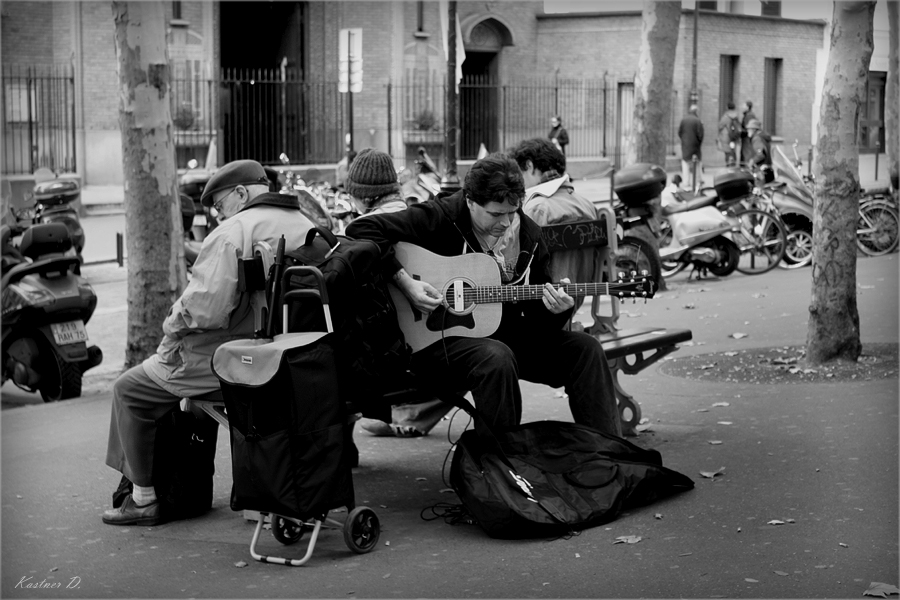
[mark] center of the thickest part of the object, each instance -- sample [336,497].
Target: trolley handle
[321,293]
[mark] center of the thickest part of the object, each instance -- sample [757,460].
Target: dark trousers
[491,370]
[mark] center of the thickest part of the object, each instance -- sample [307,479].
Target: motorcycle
[46,304]
[637,188]
[315,208]
[53,203]
[698,234]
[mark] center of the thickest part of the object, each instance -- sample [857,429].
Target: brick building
[262,78]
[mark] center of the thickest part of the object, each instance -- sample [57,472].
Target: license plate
[199,220]
[70,332]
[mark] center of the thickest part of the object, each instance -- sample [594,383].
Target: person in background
[550,199]
[729,138]
[372,183]
[211,311]
[690,132]
[558,134]
[486,217]
[761,143]
[746,146]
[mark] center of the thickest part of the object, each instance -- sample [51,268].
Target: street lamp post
[450,180]
[695,95]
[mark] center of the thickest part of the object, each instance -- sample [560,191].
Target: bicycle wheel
[762,240]
[635,255]
[799,249]
[877,228]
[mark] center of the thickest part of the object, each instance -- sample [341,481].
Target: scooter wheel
[60,380]
[361,529]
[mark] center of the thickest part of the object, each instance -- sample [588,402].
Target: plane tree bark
[892,94]
[833,329]
[660,21]
[153,229]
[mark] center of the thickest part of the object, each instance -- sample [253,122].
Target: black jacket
[441,226]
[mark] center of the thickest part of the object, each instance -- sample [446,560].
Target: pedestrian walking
[746,146]
[558,134]
[729,138]
[761,143]
[690,132]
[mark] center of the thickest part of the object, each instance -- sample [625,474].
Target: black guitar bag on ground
[550,478]
[184,462]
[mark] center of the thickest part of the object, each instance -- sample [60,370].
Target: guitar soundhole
[459,301]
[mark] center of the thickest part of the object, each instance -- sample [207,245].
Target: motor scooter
[422,185]
[699,234]
[46,304]
[53,203]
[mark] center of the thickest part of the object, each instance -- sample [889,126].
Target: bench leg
[629,410]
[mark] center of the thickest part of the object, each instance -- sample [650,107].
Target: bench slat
[631,341]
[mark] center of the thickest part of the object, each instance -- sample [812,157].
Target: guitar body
[449,275]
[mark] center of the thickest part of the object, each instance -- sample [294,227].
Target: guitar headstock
[634,285]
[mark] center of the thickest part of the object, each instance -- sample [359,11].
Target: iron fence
[38,105]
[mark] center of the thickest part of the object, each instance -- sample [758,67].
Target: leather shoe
[130,513]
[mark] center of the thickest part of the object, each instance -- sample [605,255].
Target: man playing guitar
[527,339]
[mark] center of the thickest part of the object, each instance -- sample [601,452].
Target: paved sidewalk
[822,458]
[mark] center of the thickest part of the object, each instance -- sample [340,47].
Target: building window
[176,10]
[772,95]
[708,5]
[770,9]
[728,80]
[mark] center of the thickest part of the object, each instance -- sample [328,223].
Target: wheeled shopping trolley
[290,445]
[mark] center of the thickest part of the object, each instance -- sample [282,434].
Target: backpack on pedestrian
[734,129]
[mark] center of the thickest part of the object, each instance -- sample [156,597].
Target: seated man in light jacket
[550,199]
[209,312]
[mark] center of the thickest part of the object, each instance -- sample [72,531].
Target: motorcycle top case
[56,191]
[289,454]
[552,478]
[733,184]
[640,183]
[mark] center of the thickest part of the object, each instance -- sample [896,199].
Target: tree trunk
[156,271]
[653,82]
[892,95]
[833,331]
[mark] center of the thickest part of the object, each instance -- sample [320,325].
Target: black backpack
[372,353]
[734,129]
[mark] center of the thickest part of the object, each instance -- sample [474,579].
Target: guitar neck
[516,293]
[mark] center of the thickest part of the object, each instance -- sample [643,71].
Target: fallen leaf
[775,522]
[739,335]
[784,361]
[685,554]
[720,404]
[709,366]
[446,491]
[725,422]
[385,576]
[240,564]
[54,569]
[421,479]
[689,306]
[644,427]
[790,520]
[843,545]
[715,442]
[731,353]
[711,474]
[882,590]
[657,516]
[759,295]
[577,555]
[627,539]
[387,543]
[702,410]
[748,580]
[644,420]
[782,573]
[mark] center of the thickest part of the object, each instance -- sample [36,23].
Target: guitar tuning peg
[633,274]
[644,272]
[621,275]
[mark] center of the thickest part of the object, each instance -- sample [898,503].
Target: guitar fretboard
[515,293]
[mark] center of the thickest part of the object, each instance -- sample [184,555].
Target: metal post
[694,91]
[694,163]
[604,113]
[120,254]
[809,163]
[450,181]
[389,120]
[877,150]
[612,184]
[284,104]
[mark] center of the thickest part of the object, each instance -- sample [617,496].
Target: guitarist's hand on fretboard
[421,294]
[556,299]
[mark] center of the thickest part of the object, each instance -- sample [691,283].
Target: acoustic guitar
[473,296]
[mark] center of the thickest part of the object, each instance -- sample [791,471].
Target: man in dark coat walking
[690,132]
[747,150]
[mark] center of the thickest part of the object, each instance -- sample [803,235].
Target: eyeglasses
[218,203]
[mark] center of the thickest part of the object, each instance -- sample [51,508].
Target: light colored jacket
[554,202]
[211,311]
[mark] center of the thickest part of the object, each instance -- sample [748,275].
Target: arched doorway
[479,91]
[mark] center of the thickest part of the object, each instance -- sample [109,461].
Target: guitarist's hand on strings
[556,299]
[422,295]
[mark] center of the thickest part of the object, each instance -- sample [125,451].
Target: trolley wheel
[361,529]
[286,531]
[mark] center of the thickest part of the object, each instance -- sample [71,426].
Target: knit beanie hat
[371,175]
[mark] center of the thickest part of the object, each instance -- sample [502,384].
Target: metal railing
[38,105]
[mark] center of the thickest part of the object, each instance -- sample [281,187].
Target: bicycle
[877,227]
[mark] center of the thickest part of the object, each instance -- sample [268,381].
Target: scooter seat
[692,204]
[43,266]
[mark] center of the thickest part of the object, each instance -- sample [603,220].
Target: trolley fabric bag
[289,453]
[550,478]
[372,352]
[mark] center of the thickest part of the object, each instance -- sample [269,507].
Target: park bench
[628,351]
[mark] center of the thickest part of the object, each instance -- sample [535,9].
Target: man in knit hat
[372,182]
[209,312]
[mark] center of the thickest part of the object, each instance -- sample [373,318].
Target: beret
[235,173]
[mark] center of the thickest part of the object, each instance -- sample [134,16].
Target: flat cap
[235,173]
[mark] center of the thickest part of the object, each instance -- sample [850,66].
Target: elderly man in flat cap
[209,312]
